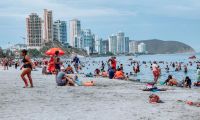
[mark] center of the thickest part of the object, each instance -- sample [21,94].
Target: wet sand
[109,100]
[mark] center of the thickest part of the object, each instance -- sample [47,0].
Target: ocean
[91,64]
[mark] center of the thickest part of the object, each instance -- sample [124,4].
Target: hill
[156,46]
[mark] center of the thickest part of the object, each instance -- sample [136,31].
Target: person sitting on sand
[171,81]
[111,73]
[188,82]
[62,79]
[69,70]
[104,74]
[167,81]
[153,98]
[197,83]
[97,72]
[119,74]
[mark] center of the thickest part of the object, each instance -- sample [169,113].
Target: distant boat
[192,57]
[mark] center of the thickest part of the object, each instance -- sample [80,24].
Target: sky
[177,20]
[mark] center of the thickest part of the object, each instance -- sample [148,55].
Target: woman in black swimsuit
[27,68]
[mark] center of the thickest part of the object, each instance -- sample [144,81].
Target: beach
[108,100]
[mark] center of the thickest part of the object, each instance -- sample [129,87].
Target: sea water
[92,63]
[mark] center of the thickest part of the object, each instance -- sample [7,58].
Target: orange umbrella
[53,50]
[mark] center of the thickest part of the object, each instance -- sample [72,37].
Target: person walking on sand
[27,68]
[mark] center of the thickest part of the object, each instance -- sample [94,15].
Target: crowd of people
[111,69]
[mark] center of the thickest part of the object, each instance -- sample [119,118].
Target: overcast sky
[140,19]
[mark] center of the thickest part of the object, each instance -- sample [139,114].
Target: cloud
[24,7]
[104,16]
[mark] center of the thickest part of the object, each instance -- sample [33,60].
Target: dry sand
[109,100]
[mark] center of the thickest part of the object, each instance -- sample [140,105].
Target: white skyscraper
[113,44]
[48,25]
[34,31]
[142,48]
[75,32]
[133,47]
[120,42]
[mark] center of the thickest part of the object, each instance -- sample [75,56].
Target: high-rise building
[120,42]
[105,47]
[75,32]
[113,44]
[133,47]
[78,41]
[98,44]
[60,31]
[48,25]
[34,31]
[89,40]
[126,44]
[142,48]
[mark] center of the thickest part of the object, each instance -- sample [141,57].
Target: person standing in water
[76,62]
[102,66]
[155,71]
[113,62]
[27,68]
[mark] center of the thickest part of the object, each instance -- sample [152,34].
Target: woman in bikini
[27,68]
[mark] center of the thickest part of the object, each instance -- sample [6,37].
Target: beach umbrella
[53,50]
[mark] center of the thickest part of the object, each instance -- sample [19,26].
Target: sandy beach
[108,100]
